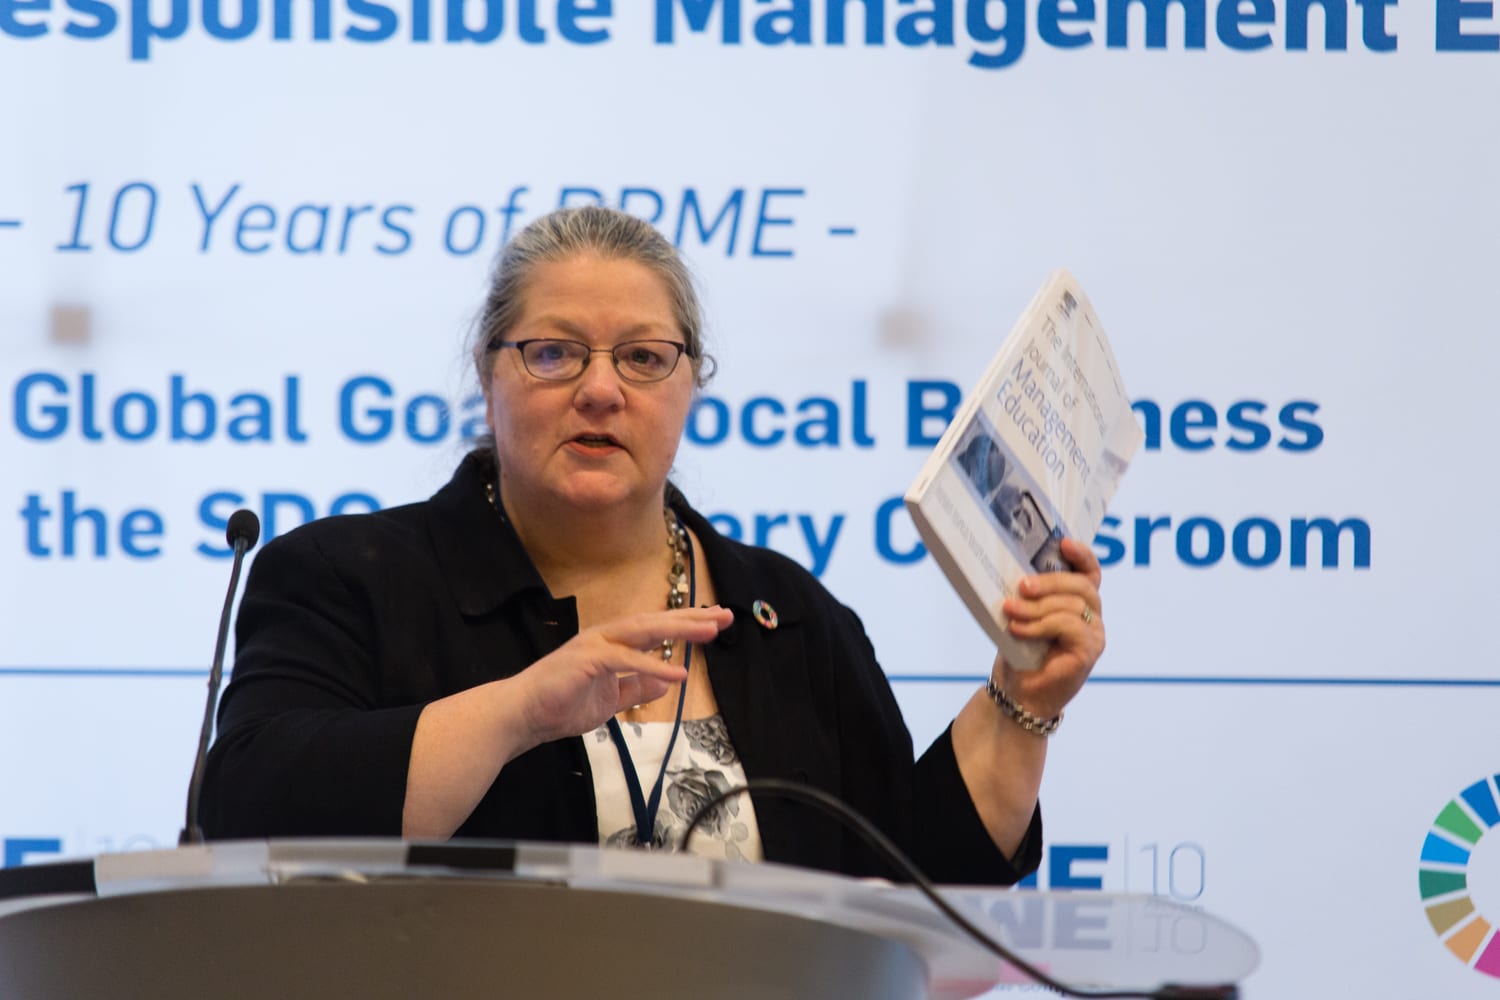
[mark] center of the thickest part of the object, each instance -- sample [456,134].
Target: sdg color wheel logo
[1449,879]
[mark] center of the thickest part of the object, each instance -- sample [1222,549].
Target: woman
[508,658]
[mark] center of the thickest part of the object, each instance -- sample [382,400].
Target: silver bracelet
[1026,720]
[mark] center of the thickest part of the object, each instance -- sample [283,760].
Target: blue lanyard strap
[645,812]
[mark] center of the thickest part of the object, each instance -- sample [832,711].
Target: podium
[330,919]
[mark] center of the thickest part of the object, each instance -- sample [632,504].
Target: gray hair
[572,232]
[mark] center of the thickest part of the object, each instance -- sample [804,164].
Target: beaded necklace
[681,584]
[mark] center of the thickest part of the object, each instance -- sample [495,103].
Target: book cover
[1033,455]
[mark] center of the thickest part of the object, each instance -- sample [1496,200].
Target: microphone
[241,534]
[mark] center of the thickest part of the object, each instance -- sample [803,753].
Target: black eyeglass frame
[521,345]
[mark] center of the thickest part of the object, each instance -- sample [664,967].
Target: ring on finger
[1088,615]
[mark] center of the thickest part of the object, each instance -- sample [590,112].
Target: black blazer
[350,625]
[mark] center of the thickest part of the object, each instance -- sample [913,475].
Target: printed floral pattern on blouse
[703,764]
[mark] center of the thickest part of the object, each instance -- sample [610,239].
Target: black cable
[893,855]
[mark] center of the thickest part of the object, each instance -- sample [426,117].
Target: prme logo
[1459,876]
[1156,867]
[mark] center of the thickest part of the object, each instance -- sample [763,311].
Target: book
[1034,454]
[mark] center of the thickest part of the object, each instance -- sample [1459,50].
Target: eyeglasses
[565,360]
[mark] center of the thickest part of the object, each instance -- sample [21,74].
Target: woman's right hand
[608,668]
[464,740]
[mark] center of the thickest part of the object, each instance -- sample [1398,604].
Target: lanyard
[645,811]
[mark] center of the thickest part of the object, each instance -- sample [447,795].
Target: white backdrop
[1289,243]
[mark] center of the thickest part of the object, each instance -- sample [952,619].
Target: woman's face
[598,440]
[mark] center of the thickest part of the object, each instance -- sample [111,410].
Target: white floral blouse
[704,762]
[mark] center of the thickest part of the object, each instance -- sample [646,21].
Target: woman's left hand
[1064,609]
